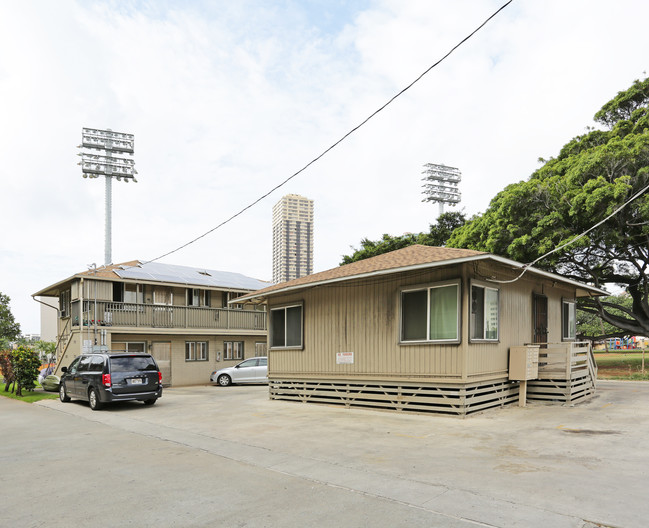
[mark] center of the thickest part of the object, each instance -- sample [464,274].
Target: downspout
[58,329]
[58,312]
[58,315]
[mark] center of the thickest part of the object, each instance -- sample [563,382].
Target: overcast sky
[227,99]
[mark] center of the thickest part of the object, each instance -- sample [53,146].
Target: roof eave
[588,290]
[49,291]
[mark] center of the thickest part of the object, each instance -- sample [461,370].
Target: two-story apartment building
[181,315]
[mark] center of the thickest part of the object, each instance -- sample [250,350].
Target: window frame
[132,343]
[566,303]
[198,298]
[271,335]
[485,287]
[229,351]
[261,349]
[428,287]
[196,351]
[65,303]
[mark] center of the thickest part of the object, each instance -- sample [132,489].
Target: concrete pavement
[231,457]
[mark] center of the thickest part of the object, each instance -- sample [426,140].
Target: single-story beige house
[425,329]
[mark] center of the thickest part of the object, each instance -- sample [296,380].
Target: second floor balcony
[116,314]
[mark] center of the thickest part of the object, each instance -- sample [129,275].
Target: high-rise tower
[292,238]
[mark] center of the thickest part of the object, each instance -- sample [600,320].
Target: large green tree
[9,328]
[593,176]
[437,235]
[591,326]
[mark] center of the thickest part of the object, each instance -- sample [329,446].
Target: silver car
[253,370]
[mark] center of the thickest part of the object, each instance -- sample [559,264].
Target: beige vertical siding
[363,317]
[179,296]
[104,290]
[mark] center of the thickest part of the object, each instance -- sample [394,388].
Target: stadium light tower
[109,154]
[441,185]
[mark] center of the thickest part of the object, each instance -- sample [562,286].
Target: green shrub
[24,363]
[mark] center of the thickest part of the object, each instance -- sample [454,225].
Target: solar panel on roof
[158,272]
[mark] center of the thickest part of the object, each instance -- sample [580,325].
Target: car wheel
[93,399]
[224,380]
[150,402]
[63,395]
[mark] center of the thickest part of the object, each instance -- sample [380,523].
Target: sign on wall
[344,358]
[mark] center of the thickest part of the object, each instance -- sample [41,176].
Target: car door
[261,370]
[244,372]
[68,378]
[81,377]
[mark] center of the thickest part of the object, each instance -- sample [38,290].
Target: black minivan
[102,378]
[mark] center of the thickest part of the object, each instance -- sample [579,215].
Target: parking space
[536,466]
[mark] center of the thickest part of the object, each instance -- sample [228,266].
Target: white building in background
[49,318]
[292,238]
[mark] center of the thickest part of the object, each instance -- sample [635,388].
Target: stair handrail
[61,336]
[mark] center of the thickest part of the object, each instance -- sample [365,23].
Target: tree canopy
[437,235]
[594,175]
[9,328]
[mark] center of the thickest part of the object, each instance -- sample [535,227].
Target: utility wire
[392,99]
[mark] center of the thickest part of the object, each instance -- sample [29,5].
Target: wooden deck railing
[165,316]
[566,360]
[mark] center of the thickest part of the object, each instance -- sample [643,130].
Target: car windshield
[131,363]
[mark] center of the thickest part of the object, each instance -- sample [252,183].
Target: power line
[577,237]
[380,109]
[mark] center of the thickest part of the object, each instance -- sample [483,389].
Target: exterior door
[540,311]
[162,354]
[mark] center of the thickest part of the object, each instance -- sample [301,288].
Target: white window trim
[568,302]
[428,287]
[233,355]
[270,333]
[485,286]
[194,348]
[190,351]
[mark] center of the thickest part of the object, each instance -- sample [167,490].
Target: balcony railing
[165,316]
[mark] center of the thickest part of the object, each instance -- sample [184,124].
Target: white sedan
[253,370]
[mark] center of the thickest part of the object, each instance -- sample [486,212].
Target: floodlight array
[107,154]
[441,184]
[107,140]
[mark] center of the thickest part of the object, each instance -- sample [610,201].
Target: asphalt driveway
[247,461]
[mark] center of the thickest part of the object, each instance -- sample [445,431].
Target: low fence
[564,360]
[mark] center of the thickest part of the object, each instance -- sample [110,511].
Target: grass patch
[29,396]
[622,366]
[634,376]
[628,361]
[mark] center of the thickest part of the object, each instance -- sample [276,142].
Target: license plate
[136,381]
